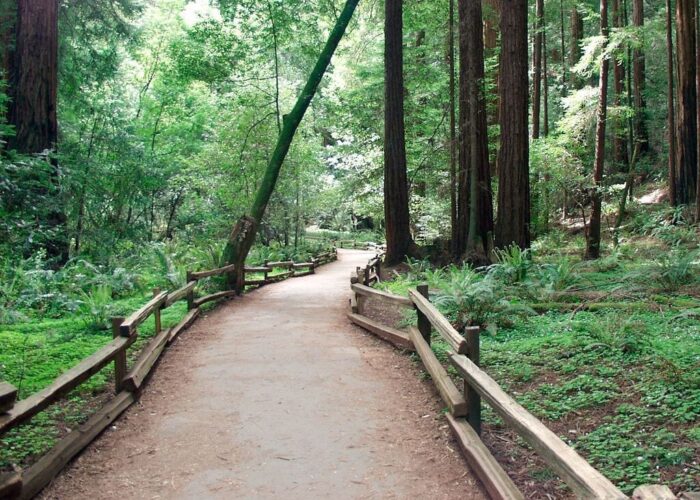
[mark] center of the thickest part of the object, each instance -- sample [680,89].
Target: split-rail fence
[464,406]
[129,380]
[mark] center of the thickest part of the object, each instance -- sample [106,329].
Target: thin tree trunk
[537,68]
[453,132]
[594,226]
[672,183]
[464,157]
[396,210]
[545,84]
[639,69]
[620,138]
[563,47]
[513,226]
[243,235]
[687,102]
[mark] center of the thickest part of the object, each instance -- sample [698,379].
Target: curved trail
[277,395]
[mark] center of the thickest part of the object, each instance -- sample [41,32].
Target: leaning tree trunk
[537,68]
[33,85]
[686,170]
[243,235]
[593,230]
[513,223]
[672,183]
[396,211]
[480,196]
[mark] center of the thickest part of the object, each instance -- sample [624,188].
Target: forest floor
[606,353]
[276,394]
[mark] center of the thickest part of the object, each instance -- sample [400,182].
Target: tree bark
[620,139]
[33,86]
[593,230]
[639,69]
[243,234]
[672,184]
[480,229]
[537,68]
[396,210]
[513,224]
[464,157]
[686,156]
[576,27]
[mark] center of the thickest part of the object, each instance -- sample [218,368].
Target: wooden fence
[128,380]
[464,416]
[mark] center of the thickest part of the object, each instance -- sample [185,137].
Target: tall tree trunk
[639,68]
[697,107]
[537,68]
[453,132]
[620,140]
[562,27]
[33,85]
[243,235]
[513,226]
[576,27]
[480,196]
[396,211]
[464,156]
[594,226]
[545,84]
[686,172]
[672,183]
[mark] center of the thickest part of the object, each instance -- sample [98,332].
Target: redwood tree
[32,71]
[396,212]
[513,223]
[686,153]
[593,230]
[620,137]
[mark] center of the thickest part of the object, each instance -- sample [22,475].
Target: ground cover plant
[52,320]
[606,353]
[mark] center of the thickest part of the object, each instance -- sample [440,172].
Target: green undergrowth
[50,321]
[606,353]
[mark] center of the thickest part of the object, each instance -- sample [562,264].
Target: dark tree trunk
[537,68]
[33,85]
[480,231]
[513,225]
[672,184]
[620,140]
[686,170]
[396,211]
[594,226]
[243,234]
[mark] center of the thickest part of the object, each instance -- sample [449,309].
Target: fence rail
[128,381]
[464,407]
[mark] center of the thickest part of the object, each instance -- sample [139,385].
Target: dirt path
[277,395]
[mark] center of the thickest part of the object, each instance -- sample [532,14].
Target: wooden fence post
[120,359]
[190,294]
[473,337]
[265,263]
[424,325]
[367,275]
[156,313]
